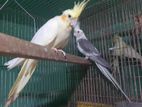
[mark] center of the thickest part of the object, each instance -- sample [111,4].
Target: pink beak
[74,22]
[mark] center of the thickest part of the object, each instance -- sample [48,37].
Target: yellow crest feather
[79,7]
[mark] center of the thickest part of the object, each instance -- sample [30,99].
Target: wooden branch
[11,46]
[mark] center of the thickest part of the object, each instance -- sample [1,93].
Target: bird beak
[74,22]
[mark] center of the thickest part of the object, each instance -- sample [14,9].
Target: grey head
[78,33]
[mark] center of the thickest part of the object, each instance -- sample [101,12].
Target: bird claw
[59,50]
[55,49]
[86,57]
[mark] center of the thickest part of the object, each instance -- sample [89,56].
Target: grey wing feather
[101,61]
[87,46]
[94,53]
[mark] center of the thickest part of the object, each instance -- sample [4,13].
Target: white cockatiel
[55,35]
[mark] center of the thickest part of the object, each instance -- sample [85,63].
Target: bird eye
[69,16]
[78,32]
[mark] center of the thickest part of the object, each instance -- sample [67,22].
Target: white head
[72,15]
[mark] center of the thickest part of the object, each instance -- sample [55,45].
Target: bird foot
[55,49]
[59,50]
[64,53]
[86,57]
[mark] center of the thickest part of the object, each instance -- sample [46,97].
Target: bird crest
[79,7]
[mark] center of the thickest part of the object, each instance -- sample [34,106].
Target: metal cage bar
[121,18]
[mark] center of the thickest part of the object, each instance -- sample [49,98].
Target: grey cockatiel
[87,49]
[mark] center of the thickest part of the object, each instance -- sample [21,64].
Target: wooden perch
[11,46]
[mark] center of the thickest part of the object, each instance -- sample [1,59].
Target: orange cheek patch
[64,18]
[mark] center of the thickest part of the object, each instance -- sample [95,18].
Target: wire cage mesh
[57,84]
[102,22]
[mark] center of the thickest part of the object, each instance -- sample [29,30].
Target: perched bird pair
[90,52]
[54,34]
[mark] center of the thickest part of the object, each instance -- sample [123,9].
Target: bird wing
[93,53]
[130,52]
[45,36]
[88,47]
[47,33]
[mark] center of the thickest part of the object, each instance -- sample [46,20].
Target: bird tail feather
[107,74]
[14,62]
[24,75]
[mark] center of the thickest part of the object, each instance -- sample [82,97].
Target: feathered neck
[81,37]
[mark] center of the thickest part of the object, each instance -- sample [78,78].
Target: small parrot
[54,34]
[92,53]
[122,49]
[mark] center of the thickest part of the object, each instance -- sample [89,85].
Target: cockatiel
[53,34]
[87,49]
[122,49]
